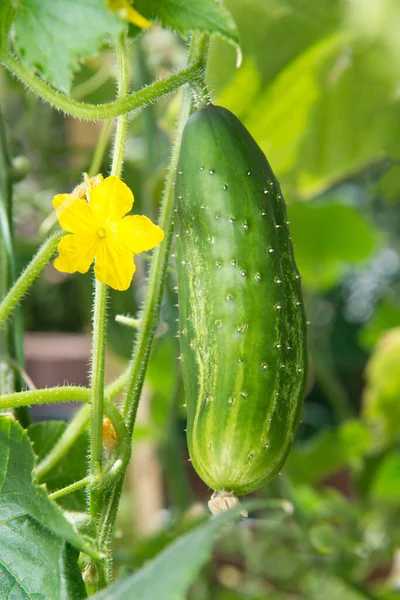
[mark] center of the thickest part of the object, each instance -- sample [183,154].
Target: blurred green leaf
[242,90]
[52,36]
[272,34]
[69,468]
[7,12]
[185,16]
[280,117]
[381,406]
[328,238]
[351,124]
[327,107]
[386,484]
[35,556]
[322,504]
[377,23]
[387,316]
[328,451]
[170,574]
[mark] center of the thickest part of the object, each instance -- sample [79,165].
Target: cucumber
[242,325]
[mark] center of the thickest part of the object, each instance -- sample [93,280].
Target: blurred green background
[318,88]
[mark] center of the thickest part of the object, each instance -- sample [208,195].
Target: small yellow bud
[83,189]
[109,436]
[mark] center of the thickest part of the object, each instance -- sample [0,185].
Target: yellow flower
[125,10]
[98,231]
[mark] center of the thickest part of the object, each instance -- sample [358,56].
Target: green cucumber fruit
[241,317]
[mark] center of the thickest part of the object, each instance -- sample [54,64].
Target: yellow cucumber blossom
[124,9]
[98,230]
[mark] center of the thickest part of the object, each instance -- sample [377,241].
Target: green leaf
[36,558]
[185,16]
[329,238]
[386,484]
[242,90]
[350,125]
[381,406]
[170,574]
[69,469]
[280,117]
[328,451]
[263,25]
[327,108]
[52,36]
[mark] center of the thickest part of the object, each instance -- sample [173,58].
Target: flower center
[101,233]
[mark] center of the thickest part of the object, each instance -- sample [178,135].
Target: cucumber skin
[241,316]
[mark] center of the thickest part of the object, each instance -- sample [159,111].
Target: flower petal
[74,214]
[138,233]
[124,9]
[76,253]
[134,17]
[111,200]
[114,264]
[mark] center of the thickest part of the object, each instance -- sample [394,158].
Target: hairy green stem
[63,393]
[128,321]
[151,309]
[79,422]
[148,119]
[99,322]
[28,276]
[100,301]
[122,120]
[201,92]
[97,387]
[73,487]
[101,111]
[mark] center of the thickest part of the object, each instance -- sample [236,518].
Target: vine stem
[97,388]
[151,308]
[29,275]
[79,422]
[159,263]
[94,112]
[73,487]
[63,393]
[100,302]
